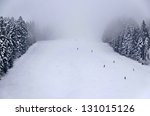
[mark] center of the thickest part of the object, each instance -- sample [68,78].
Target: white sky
[75,17]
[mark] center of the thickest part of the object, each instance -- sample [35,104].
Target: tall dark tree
[145,38]
[135,51]
[127,43]
[22,35]
[3,46]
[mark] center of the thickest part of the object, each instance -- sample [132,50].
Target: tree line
[130,39]
[16,36]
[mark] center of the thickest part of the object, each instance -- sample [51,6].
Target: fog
[74,18]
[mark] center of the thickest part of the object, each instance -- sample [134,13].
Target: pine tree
[9,45]
[3,46]
[145,41]
[127,42]
[23,34]
[136,52]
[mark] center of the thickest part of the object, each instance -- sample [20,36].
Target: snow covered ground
[75,68]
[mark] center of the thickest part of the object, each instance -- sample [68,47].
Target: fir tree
[127,41]
[22,35]
[135,51]
[146,41]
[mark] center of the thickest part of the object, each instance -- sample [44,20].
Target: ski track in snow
[75,68]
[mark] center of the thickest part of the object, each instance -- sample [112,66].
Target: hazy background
[75,18]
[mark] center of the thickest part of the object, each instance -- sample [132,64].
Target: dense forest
[16,36]
[130,39]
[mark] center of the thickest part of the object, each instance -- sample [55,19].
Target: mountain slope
[75,68]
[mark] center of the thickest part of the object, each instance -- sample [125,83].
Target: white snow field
[75,68]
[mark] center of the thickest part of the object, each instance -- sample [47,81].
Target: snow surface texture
[75,68]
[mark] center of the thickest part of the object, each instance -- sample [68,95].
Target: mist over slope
[75,18]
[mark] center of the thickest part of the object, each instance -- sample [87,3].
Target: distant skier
[104,66]
[125,78]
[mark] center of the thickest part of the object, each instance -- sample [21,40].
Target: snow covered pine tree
[3,59]
[14,41]
[145,46]
[133,42]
